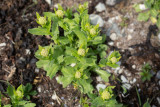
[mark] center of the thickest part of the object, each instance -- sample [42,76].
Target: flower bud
[81,7]
[59,13]
[42,20]
[19,94]
[44,52]
[105,95]
[78,74]
[81,52]
[92,31]
[113,60]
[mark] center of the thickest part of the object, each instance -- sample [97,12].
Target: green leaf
[137,8]
[49,14]
[81,36]
[69,60]
[51,69]
[60,59]
[154,13]
[86,86]
[63,40]
[10,91]
[8,105]
[143,16]
[55,29]
[39,31]
[104,74]
[42,63]
[68,76]
[97,40]
[30,105]
[146,104]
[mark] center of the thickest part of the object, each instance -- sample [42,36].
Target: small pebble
[96,19]
[37,70]
[127,86]
[124,80]
[28,52]
[111,43]
[54,97]
[2,44]
[134,66]
[113,36]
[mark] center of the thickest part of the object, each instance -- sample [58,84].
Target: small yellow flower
[42,20]
[60,13]
[105,95]
[78,74]
[92,31]
[113,60]
[44,52]
[81,52]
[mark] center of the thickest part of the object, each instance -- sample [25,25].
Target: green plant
[146,75]
[17,96]
[105,98]
[152,11]
[124,23]
[77,52]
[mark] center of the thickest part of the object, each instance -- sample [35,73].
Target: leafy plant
[17,96]
[151,11]
[146,75]
[77,52]
[105,98]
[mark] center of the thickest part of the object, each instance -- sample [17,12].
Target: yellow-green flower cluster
[59,13]
[81,52]
[44,52]
[42,20]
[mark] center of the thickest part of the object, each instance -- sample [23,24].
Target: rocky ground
[118,21]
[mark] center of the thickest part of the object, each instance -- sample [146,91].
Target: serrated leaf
[104,74]
[60,59]
[51,69]
[69,60]
[68,76]
[86,86]
[143,16]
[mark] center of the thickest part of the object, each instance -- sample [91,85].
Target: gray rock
[158,75]
[124,80]
[96,19]
[115,29]
[127,86]
[100,7]
[127,73]
[103,86]
[112,2]
[159,83]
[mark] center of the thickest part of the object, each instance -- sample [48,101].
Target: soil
[18,63]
